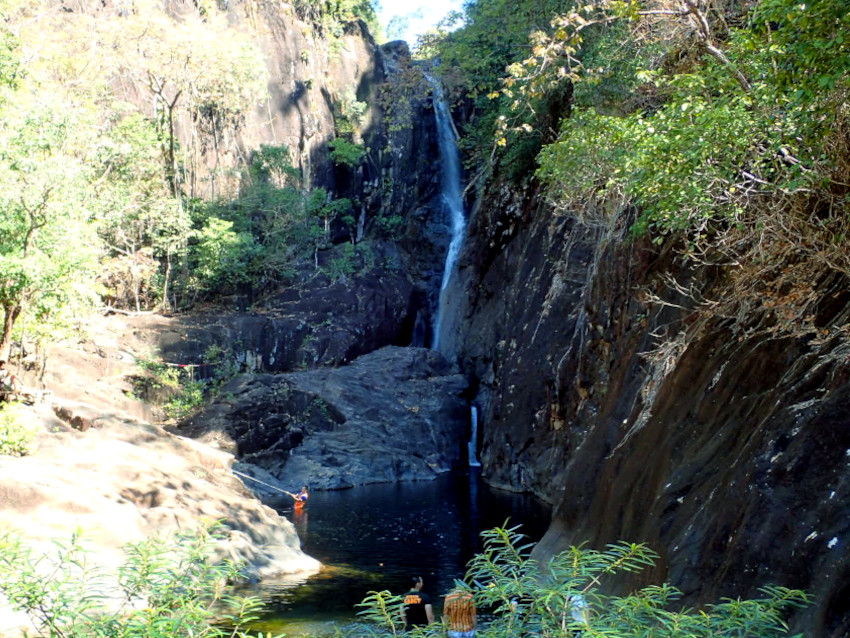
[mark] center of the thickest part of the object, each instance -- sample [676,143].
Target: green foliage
[223,256]
[48,245]
[139,210]
[10,57]
[173,388]
[165,588]
[473,58]
[568,598]
[342,265]
[486,43]
[734,130]
[345,153]
[17,433]
[268,233]
[392,226]
[224,362]
[349,114]
[722,135]
[384,610]
[185,403]
[332,16]
[272,164]
[808,42]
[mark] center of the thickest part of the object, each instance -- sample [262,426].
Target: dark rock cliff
[614,383]
[392,415]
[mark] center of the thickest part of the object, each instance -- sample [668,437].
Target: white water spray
[452,191]
[471,446]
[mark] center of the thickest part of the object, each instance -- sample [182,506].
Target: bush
[16,434]
[345,153]
[565,598]
[171,387]
[700,139]
[165,589]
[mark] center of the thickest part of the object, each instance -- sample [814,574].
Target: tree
[48,241]
[141,219]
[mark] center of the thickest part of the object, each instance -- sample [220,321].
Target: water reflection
[376,537]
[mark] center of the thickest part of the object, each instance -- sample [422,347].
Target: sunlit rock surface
[122,481]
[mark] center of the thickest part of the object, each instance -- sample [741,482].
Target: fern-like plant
[383,613]
[567,599]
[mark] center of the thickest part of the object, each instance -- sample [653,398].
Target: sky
[413,16]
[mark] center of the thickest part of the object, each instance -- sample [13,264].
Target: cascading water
[452,191]
[471,446]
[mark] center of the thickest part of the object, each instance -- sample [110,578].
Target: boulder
[123,480]
[394,414]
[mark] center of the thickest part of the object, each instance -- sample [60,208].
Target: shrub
[566,598]
[165,589]
[171,387]
[16,434]
[345,153]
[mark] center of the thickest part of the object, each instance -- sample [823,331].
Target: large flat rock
[123,480]
[394,414]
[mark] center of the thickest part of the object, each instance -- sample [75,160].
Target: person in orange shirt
[301,497]
[460,614]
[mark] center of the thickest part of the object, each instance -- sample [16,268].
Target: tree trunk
[164,303]
[10,315]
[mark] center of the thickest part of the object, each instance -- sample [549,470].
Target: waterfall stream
[452,191]
[473,438]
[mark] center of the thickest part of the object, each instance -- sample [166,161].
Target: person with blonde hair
[460,614]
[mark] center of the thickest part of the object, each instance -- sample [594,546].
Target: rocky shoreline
[120,480]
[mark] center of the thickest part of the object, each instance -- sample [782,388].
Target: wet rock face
[720,441]
[394,414]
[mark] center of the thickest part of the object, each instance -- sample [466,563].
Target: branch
[717,53]
[704,31]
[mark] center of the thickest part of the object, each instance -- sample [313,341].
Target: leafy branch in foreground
[170,589]
[384,610]
[566,598]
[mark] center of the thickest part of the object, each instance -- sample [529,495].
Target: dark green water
[375,537]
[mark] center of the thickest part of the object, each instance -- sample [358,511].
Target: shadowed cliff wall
[615,385]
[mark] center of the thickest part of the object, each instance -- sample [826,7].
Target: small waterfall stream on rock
[452,191]
[473,437]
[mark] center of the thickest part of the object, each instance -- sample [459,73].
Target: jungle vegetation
[100,195]
[184,593]
[724,125]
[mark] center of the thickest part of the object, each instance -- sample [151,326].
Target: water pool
[375,537]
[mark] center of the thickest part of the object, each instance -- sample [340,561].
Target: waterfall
[473,452]
[452,191]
